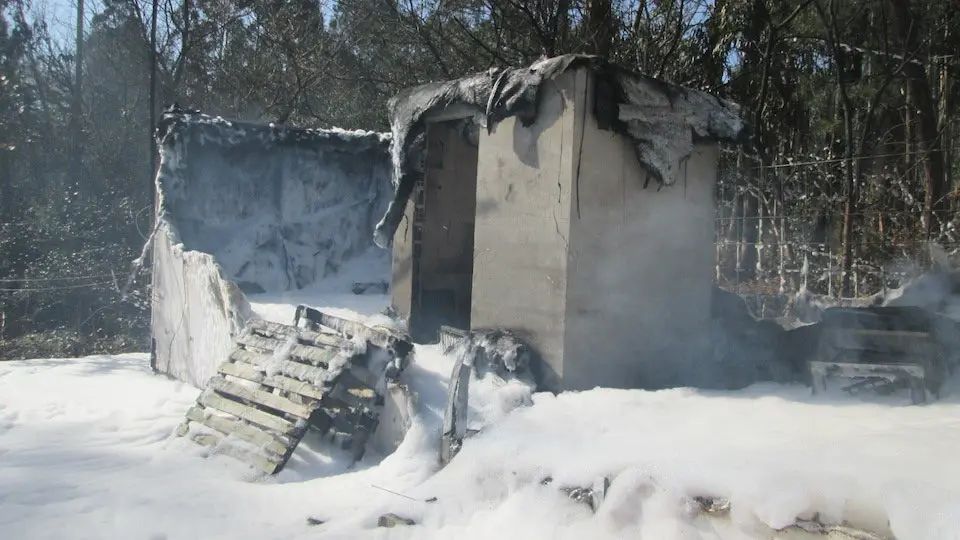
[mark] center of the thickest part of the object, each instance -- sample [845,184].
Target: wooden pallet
[882,348]
[280,382]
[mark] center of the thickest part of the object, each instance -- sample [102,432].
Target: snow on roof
[176,124]
[663,120]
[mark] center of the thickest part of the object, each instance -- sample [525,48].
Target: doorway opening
[438,247]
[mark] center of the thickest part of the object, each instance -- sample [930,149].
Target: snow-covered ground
[87,451]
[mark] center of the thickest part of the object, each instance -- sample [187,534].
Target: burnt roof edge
[665,121]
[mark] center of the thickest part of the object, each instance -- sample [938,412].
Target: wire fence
[780,229]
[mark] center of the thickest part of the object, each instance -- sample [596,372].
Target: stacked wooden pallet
[283,380]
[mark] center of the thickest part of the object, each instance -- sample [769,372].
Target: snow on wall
[196,310]
[249,208]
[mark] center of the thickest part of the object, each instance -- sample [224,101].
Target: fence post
[830,273]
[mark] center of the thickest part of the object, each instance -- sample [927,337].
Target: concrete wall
[276,217]
[252,208]
[196,310]
[640,263]
[523,224]
[611,281]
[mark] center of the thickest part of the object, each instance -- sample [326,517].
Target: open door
[433,248]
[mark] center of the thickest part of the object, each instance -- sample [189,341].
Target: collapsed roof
[663,120]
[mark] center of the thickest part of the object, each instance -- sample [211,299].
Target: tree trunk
[923,105]
[561,27]
[153,93]
[850,169]
[749,236]
[76,115]
[599,26]
[6,187]
[908,128]
[944,123]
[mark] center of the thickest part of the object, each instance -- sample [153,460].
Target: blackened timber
[351,399]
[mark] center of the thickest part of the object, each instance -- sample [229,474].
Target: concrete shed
[571,202]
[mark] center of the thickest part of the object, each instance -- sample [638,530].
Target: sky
[61,16]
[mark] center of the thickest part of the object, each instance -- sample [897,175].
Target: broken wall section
[251,208]
[278,208]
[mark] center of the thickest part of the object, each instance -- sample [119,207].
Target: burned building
[245,208]
[571,202]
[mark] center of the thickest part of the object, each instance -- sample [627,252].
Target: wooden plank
[260,397]
[887,333]
[315,355]
[263,463]
[849,370]
[239,429]
[243,370]
[252,373]
[377,335]
[282,332]
[289,368]
[281,425]
[357,376]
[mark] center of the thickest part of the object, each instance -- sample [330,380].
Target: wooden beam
[239,429]
[357,375]
[282,332]
[289,368]
[345,396]
[252,373]
[280,403]
[211,399]
[317,355]
[262,463]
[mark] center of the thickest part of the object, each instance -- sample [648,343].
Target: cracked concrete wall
[523,222]
[196,312]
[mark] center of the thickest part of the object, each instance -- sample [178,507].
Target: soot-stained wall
[252,208]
